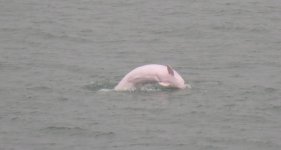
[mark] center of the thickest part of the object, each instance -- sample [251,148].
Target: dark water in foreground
[57,58]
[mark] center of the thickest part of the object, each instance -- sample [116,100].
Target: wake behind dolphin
[163,75]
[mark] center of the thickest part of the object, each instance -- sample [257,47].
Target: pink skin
[152,73]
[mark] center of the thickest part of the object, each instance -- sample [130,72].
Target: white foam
[105,90]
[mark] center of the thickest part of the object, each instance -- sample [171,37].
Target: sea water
[60,60]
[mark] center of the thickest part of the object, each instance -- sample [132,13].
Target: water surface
[57,58]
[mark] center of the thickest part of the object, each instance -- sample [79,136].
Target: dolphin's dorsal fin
[170,70]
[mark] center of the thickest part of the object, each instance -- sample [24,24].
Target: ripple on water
[99,85]
[76,131]
[107,86]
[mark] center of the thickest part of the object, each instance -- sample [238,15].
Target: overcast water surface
[60,59]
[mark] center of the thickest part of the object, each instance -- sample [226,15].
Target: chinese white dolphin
[164,75]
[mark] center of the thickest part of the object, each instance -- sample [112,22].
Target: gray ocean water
[59,59]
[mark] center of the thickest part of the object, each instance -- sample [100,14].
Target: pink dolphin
[164,75]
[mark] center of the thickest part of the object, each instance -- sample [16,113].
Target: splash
[107,86]
[102,86]
[105,90]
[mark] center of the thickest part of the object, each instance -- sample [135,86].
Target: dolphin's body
[164,75]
